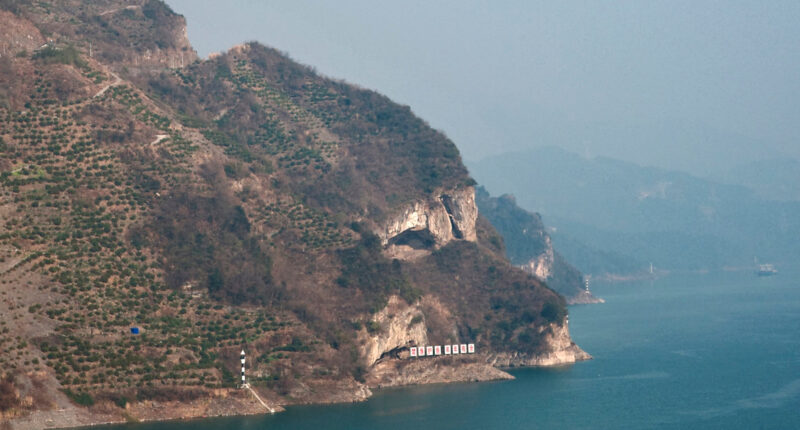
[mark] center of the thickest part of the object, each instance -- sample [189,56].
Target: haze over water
[700,351]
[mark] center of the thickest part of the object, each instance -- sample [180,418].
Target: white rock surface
[449,216]
[561,350]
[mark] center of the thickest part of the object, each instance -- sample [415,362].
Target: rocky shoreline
[238,402]
[584,298]
[219,403]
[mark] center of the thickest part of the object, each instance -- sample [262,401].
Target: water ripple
[775,399]
[656,374]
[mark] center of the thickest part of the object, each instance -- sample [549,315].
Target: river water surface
[682,352]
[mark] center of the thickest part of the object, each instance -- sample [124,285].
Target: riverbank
[222,402]
[682,352]
[241,402]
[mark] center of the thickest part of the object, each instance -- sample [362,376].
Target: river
[691,351]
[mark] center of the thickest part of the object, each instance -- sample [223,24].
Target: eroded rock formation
[397,326]
[427,225]
[542,265]
[529,246]
[560,349]
[438,370]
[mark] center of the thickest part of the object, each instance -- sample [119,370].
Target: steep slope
[528,246]
[238,202]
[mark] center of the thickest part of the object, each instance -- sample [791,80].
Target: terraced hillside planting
[235,202]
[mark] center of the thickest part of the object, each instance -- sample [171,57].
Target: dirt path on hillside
[159,138]
[117,80]
[272,411]
[110,11]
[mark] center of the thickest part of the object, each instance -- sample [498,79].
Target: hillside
[528,246]
[637,215]
[772,179]
[243,201]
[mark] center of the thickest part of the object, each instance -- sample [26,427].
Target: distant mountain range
[772,179]
[614,216]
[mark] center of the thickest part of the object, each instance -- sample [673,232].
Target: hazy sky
[679,84]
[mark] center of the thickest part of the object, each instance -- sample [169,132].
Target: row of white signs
[422,351]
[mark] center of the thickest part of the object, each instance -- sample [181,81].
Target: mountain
[772,179]
[528,246]
[643,215]
[162,213]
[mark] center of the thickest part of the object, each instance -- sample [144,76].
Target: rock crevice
[397,326]
[430,224]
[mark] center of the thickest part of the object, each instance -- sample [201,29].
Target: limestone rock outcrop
[433,371]
[559,346]
[430,224]
[529,246]
[541,265]
[397,326]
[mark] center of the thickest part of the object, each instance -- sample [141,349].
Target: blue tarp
[134,330]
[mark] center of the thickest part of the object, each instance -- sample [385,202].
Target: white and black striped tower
[244,384]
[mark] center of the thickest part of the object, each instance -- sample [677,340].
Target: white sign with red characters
[433,350]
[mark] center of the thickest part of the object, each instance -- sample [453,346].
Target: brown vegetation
[226,204]
[8,394]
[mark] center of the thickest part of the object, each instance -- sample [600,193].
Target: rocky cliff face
[392,330]
[436,370]
[529,246]
[431,224]
[559,350]
[399,326]
[552,268]
[142,34]
[541,265]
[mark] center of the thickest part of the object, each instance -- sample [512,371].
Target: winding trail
[110,11]
[117,81]
[159,138]
[272,411]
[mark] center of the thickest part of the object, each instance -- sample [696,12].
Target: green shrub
[121,401]
[553,312]
[373,327]
[67,55]
[365,267]
[81,398]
